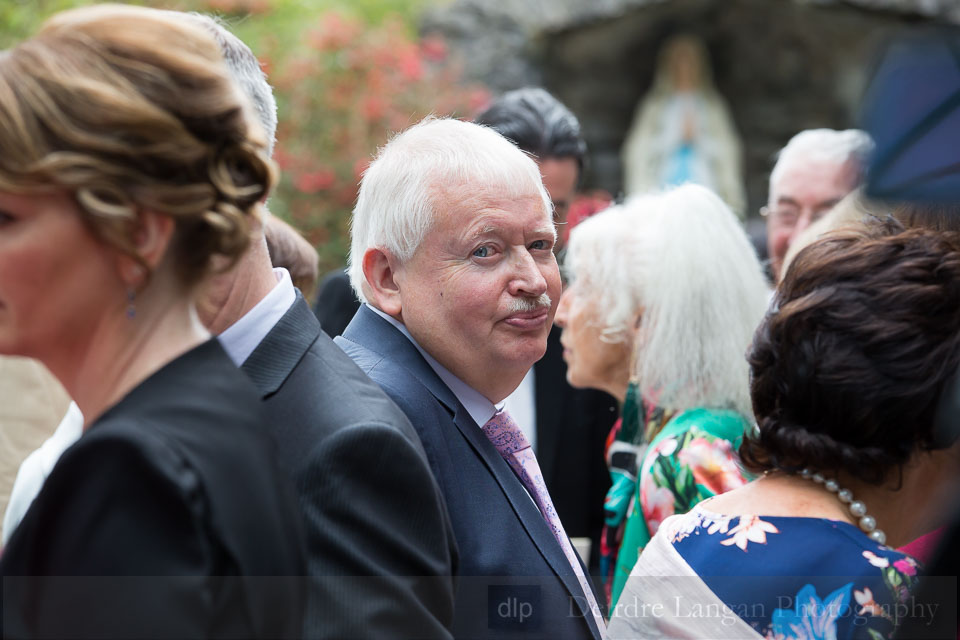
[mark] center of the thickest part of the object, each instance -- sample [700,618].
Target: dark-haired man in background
[542,126]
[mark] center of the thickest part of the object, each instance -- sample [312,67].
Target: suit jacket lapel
[372,332]
[521,502]
[283,347]
[375,334]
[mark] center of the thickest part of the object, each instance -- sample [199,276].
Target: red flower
[657,503]
[315,180]
[584,206]
[334,32]
[373,108]
[478,99]
[343,93]
[266,65]
[359,167]
[712,463]
[434,47]
[906,566]
[410,65]
[283,159]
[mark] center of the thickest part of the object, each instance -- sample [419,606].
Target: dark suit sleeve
[111,549]
[378,539]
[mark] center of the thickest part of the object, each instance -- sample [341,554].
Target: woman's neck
[119,352]
[909,507]
[619,392]
[903,514]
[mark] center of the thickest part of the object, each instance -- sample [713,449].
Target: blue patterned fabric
[803,578]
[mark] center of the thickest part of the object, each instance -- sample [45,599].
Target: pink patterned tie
[509,440]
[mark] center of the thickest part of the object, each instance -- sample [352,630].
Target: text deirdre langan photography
[680,607]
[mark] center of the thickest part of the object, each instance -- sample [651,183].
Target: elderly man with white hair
[816,169]
[451,252]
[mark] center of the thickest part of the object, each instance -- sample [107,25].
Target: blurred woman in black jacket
[129,162]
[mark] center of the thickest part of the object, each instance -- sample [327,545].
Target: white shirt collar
[242,337]
[476,404]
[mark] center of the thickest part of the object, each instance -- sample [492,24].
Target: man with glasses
[816,169]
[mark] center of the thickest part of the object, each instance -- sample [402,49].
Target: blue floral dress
[803,578]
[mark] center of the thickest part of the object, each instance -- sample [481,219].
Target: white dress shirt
[37,466]
[242,337]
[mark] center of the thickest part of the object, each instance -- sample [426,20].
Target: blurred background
[348,73]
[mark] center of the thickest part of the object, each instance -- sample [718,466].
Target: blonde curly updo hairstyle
[133,109]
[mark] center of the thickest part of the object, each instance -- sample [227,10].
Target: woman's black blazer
[167,519]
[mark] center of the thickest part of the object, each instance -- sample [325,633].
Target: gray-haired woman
[666,292]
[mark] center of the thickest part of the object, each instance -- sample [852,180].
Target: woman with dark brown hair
[128,162]
[847,370]
[938,217]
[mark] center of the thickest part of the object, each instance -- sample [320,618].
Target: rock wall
[782,65]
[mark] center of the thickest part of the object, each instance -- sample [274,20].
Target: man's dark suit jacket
[380,547]
[572,424]
[508,555]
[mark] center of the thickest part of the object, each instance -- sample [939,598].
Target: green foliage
[342,93]
[347,74]
[250,18]
[20,18]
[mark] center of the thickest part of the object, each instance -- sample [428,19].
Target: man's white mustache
[524,305]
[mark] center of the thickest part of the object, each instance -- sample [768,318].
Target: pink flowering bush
[342,94]
[346,77]
[583,206]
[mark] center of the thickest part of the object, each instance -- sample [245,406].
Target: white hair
[825,146]
[682,261]
[396,206]
[246,71]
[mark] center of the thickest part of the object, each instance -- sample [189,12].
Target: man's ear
[379,270]
[151,239]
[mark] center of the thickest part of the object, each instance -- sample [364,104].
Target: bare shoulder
[776,496]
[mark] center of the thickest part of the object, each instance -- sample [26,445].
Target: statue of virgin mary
[682,130]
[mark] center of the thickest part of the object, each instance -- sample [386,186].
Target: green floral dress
[692,458]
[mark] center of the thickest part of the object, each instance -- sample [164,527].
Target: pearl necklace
[868,524]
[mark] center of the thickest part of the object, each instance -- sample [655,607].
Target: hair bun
[847,373]
[781,443]
[240,173]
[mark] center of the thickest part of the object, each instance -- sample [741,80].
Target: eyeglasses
[789,216]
